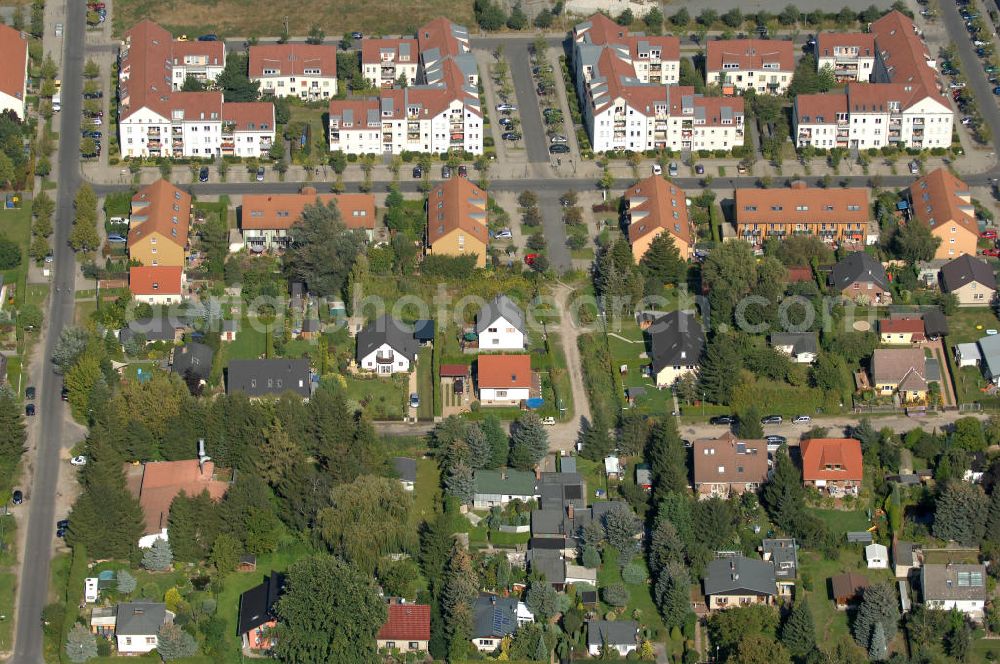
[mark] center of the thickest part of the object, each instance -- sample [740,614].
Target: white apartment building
[304,71]
[203,61]
[850,56]
[384,61]
[763,65]
[902,106]
[155,120]
[14,76]
[438,115]
[653,59]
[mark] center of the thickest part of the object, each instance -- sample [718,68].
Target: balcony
[385,358]
[153,131]
[918,122]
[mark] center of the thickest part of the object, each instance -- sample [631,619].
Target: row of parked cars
[981,42]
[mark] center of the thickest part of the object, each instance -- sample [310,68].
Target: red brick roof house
[833,465]
[407,629]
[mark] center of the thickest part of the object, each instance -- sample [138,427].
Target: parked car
[510,136]
[529,259]
[203,174]
[417,172]
[549,421]
[741,168]
[772,419]
[357,35]
[93,95]
[414,400]
[209,37]
[802,419]
[914,167]
[506,107]
[558,138]
[17,497]
[992,252]
[672,169]
[504,234]
[988,235]
[260,174]
[446,172]
[64,394]
[62,524]
[559,148]
[506,123]
[721,419]
[78,461]
[29,393]
[699,169]
[463,171]
[29,410]
[59,29]
[657,169]
[114,237]
[774,439]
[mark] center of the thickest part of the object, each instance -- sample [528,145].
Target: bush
[634,573]
[616,595]
[10,254]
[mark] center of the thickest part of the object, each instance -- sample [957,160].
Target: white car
[59,29]
[506,107]
[802,419]
[559,138]
[549,421]
[657,169]
[79,460]
[504,234]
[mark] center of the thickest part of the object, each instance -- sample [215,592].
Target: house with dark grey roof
[906,556]
[137,625]
[162,328]
[802,347]
[499,487]
[550,564]
[971,280]
[935,323]
[500,325]
[193,360]
[619,635]
[386,346]
[495,617]
[954,586]
[783,553]
[406,468]
[860,277]
[262,378]
[256,616]
[676,342]
[739,581]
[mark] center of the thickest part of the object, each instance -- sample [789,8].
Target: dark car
[463,171]
[64,395]
[29,410]
[771,419]
[29,393]
[203,174]
[60,533]
[17,497]
[699,169]
[209,37]
[417,172]
[558,148]
[62,524]
[511,136]
[357,35]
[775,440]
[721,419]
[93,95]
[446,172]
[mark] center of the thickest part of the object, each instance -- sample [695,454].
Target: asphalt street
[518,55]
[34,581]
[554,229]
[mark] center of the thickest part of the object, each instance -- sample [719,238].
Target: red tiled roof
[826,42]
[440,34]
[904,325]
[750,54]
[798,274]
[280,211]
[161,208]
[664,205]
[831,459]
[249,115]
[456,203]
[214,52]
[371,50]
[939,198]
[504,371]
[802,203]
[905,55]
[161,481]
[293,59]
[820,108]
[155,280]
[407,622]
[14,55]
[454,370]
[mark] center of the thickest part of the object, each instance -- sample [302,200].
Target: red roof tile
[904,325]
[280,211]
[14,55]
[831,459]
[249,115]
[750,54]
[155,280]
[161,481]
[293,59]
[504,371]
[407,622]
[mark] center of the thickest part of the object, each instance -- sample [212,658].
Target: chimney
[570,510]
[538,473]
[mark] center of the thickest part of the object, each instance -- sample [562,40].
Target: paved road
[554,228]
[34,581]
[518,56]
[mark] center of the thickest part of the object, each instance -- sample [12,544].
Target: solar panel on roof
[574,492]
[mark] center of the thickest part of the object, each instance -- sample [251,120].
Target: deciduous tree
[322,249]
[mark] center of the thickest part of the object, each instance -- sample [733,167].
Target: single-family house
[612,467]
[262,378]
[168,329]
[847,589]
[156,285]
[406,468]
[578,574]
[500,325]
[833,465]
[504,380]
[944,204]
[407,628]
[676,341]
[783,553]
[548,564]
[953,586]
[935,323]
[256,619]
[155,484]
[386,346]
[739,581]
[904,371]
[906,556]
[137,626]
[619,635]
[901,331]
[861,278]
[495,617]
[192,362]
[877,556]
[727,465]
[456,220]
[499,487]
[971,280]
[644,476]
[159,220]
[802,347]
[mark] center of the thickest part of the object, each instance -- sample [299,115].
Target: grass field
[248,18]
[381,398]
[627,344]
[639,595]
[7,587]
[842,521]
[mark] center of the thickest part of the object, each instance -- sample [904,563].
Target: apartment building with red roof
[14,73]
[833,465]
[303,71]
[407,628]
[265,219]
[159,223]
[157,119]
[456,220]
[385,61]
[654,206]
[439,114]
[834,215]
[902,105]
[765,66]
[944,204]
[849,55]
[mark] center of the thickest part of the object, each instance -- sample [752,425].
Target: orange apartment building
[456,220]
[943,202]
[654,206]
[159,224]
[265,219]
[834,215]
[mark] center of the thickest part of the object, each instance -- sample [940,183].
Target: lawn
[627,343]
[640,597]
[966,326]
[314,117]
[258,18]
[381,398]
[7,588]
[250,343]
[83,311]
[15,225]
[842,521]
[425,384]
[426,493]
